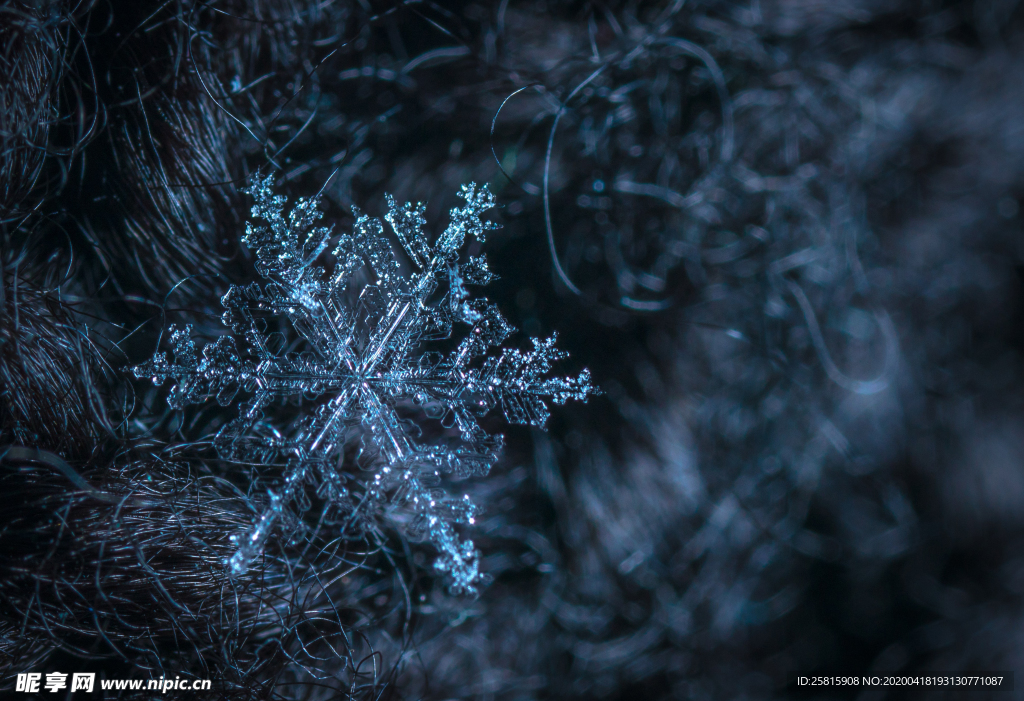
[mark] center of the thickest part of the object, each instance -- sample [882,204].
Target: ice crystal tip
[366,354]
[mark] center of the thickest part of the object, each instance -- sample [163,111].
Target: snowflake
[359,343]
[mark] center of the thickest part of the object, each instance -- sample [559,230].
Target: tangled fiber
[783,235]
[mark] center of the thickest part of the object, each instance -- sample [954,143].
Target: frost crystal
[356,341]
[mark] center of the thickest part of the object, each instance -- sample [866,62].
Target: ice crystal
[358,353]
